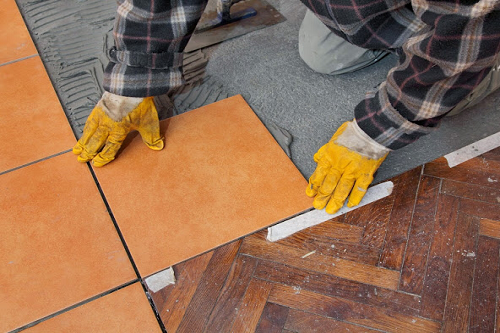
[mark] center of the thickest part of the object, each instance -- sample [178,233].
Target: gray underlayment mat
[264,66]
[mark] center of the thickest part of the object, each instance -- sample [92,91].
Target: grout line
[127,250]
[69,308]
[34,162]
[17,60]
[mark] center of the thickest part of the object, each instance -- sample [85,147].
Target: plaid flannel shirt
[445,49]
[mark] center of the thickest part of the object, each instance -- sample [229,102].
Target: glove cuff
[117,107]
[353,138]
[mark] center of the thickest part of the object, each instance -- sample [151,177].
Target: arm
[438,67]
[150,37]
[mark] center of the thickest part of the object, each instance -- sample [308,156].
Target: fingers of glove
[91,126]
[326,189]
[106,155]
[151,136]
[145,120]
[340,194]
[316,179]
[359,190]
[320,200]
[113,144]
[93,144]
[330,182]
[78,148]
[319,154]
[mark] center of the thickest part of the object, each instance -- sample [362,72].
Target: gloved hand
[109,124]
[348,160]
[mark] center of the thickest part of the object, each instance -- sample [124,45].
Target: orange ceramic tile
[33,124]
[15,40]
[125,310]
[58,244]
[220,176]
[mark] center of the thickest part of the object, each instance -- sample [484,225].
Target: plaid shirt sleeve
[445,50]
[150,36]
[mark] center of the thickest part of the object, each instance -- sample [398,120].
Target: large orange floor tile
[58,244]
[125,310]
[220,176]
[15,40]
[33,124]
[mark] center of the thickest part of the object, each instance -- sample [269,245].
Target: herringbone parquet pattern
[425,259]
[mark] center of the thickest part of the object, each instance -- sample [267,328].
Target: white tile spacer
[473,150]
[314,217]
[160,280]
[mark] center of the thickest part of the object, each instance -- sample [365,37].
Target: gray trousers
[327,53]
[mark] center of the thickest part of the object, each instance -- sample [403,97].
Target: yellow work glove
[346,164]
[109,124]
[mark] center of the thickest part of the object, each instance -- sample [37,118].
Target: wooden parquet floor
[425,259]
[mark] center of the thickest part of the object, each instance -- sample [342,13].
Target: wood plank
[489,228]
[493,155]
[373,218]
[273,319]
[413,271]
[381,277]
[484,295]
[337,230]
[225,310]
[456,315]
[251,306]
[173,300]
[478,171]
[349,311]
[498,308]
[405,193]
[329,247]
[482,164]
[334,286]
[474,192]
[203,301]
[300,321]
[480,209]
[440,255]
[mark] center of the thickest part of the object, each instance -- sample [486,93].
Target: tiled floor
[422,260]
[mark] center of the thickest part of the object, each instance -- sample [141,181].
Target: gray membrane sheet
[264,66]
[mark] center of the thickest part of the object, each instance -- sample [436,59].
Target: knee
[313,58]
[312,38]
[325,52]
